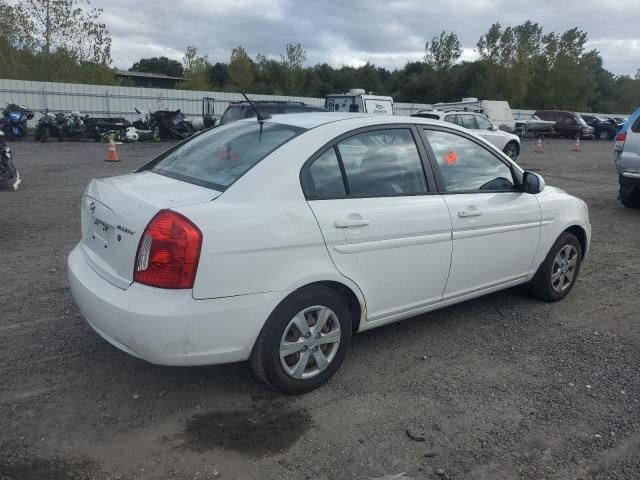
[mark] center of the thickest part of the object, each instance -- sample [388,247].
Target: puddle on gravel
[263,429]
[37,468]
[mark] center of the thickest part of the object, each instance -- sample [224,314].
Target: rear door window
[218,157]
[468,121]
[382,163]
[453,119]
[323,178]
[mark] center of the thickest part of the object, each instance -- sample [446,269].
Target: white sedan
[275,241]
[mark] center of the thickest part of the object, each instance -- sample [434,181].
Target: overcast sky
[353,32]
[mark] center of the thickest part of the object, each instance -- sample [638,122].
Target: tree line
[65,41]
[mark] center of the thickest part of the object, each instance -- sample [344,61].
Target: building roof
[126,73]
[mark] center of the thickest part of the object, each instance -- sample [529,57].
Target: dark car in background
[568,124]
[604,128]
[239,110]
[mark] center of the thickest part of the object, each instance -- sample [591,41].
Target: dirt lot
[500,387]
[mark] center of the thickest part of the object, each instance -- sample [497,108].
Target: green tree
[68,25]
[162,65]
[442,52]
[241,69]
[196,71]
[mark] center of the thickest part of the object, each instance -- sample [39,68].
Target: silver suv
[626,155]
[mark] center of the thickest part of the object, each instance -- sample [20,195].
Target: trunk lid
[115,211]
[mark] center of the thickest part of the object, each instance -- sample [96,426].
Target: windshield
[218,157]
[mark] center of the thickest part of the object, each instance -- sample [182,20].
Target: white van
[498,111]
[357,100]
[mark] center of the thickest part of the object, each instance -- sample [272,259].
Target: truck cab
[358,101]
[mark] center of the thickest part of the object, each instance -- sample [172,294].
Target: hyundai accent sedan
[275,241]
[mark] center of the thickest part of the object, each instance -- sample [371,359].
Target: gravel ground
[500,387]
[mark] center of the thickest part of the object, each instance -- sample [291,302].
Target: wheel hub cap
[564,268]
[310,342]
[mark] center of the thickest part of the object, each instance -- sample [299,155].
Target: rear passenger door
[385,226]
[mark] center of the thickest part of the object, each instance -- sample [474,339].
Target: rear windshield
[220,156]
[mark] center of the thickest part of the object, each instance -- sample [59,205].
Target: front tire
[630,198]
[304,341]
[557,275]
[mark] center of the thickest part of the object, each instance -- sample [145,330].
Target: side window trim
[433,161]
[343,172]
[431,179]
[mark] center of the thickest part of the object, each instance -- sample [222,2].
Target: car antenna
[261,118]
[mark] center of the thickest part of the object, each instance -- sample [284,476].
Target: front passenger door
[496,227]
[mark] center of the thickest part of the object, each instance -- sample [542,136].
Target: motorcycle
[76,128]
[15,124]
[165,124]
[9,175]
[50,125]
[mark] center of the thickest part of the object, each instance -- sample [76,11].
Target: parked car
[275,241]
[604,128]
[568,124]
[626,155]
[531,125]
[239,110]
[498,111]
[480,125]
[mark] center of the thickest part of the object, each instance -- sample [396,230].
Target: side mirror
[532,183]
[493,128]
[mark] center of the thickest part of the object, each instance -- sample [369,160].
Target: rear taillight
[620,139]
[168,253]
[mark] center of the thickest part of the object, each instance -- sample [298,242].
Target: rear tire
[299,371]
[559,271]
[604,135]
[44,135]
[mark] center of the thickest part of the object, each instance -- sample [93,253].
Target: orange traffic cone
[576,147]
[538,146]
[112,154]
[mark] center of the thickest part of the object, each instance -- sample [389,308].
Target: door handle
[351,222]
[469,213]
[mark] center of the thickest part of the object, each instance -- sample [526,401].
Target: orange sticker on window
[451,157]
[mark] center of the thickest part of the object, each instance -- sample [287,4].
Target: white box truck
[357,100]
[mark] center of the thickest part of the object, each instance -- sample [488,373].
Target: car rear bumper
[169,327]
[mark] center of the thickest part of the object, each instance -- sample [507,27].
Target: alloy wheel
[564,268]
[310,342]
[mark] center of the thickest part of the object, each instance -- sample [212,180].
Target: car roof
[243,103]
[311,120]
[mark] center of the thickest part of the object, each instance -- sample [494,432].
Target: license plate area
[99,228]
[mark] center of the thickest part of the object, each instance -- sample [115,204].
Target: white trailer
[498,111]
[357,100]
